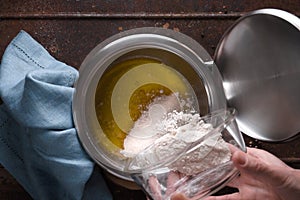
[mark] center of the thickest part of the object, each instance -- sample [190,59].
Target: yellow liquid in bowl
[127,88]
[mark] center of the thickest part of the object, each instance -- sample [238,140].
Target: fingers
[178,196]
[173,177]
[234,196]
[239,159]
[266,157]
[232,148]
[234,183]
[259,168]
[155,188]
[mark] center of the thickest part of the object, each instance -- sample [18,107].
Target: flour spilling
[164,133]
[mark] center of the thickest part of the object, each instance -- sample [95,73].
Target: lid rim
[231,56]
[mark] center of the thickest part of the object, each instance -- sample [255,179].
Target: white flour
[144,132]
[167,132]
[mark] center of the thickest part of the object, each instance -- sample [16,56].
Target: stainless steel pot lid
[259,59]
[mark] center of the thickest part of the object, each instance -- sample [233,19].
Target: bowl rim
[97,61]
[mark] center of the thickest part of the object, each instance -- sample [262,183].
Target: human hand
[263,176]
[155,187]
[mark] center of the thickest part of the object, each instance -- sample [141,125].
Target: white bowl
[172,48]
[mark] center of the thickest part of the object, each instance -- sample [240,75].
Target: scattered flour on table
[167,132]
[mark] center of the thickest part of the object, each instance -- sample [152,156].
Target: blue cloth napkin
[38,142]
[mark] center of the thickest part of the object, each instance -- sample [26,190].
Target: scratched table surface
[70,29]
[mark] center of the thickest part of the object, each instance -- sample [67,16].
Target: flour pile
[163,132]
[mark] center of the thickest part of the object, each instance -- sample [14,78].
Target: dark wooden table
[69,29]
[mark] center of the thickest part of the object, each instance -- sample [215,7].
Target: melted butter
[127,88]
[143,96]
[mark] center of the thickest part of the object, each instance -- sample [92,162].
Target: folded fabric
[38,142]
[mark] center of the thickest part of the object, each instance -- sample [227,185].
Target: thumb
[258,169]
[178,196]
